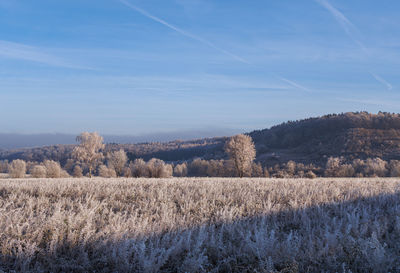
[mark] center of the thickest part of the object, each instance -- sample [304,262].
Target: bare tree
[88,151]
[117,160]
[38,171]
[17,168]
[242,152]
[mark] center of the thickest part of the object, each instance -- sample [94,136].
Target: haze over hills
[18,141]
[313,140]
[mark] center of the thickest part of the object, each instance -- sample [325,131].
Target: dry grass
[200,225]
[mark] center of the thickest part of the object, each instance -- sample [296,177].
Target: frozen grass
[4,175]
[200,225]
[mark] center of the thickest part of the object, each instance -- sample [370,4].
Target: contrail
[25,52]
[181,31]
[351,30]
[294,84]
[346,24]
[381,80]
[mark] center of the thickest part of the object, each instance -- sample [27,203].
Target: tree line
[90,158]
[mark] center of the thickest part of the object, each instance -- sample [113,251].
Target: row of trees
[89,156]
[371,167]
[118,165]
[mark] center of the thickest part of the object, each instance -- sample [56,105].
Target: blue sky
[145,66]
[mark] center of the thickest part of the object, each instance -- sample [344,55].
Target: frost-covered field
[200,225]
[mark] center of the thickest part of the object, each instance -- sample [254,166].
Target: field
[200,225]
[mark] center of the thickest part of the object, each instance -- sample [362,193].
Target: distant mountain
[313,140]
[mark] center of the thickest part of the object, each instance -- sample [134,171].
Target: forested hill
[351,135]
[313,140]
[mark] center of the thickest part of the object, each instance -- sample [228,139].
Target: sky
[139,67]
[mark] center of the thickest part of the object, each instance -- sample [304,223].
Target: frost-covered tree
[257,170]
[17,169]
[89,150]
[106,172]
[38,171]
[181,170]
[158,169]
[53,169]
[242,152]
[77,172]
[138,168]
[117,160]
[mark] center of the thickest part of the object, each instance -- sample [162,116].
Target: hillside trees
[242,152]
[89,150]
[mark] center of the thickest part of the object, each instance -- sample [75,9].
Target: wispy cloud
[294,84]
[183,32]
[382,80]
[352,31]
[346,24]
[24,52]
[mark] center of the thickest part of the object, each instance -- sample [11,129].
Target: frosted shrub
[375,167]
[53,169]
[181,170]
[138,168]
[38,171]
[17,169]
[77,172]
[106,172]
[310,174]
[335,168]
[158,169]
